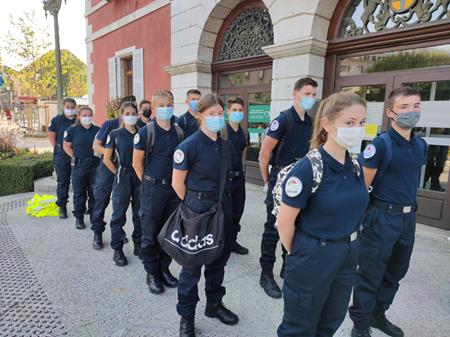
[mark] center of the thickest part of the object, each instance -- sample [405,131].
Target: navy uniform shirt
[140,123]
[122,142]
[188,123]
[82,140]
[158,163]
[336,209]
[240,140]
[202,157]
[59,124]
[400,180]
[298,137]
[107,127]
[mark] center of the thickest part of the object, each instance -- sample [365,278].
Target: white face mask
[87,120]
[70,112]
[130,120]
[350,138]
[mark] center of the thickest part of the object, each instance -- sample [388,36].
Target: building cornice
[190,67]
[308,45]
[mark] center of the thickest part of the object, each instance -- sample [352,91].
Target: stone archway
[300,31]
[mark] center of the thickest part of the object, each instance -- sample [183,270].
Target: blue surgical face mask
[307,103]
[193,105]
[130,120]
[236,116]
[214,123]
[70,112]
[86,120]
[407,120]
[164,113]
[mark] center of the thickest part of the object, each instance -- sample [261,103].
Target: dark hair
[208,101]
[304,82]
[69,100]
[85,107]
[235,100]
[193,92]
[127,105]
[402,91]
[130,98]
[330,108]
[144,101]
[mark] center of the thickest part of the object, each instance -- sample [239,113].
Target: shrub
[11,134]
[113,108]
[17,174]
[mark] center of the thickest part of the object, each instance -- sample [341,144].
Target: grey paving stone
[94,298]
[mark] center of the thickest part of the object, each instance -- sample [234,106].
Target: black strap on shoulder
[115,133]
[180,132]
[223,168]
[283,139]
[150,139]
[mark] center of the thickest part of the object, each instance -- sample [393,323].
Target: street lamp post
[53,7]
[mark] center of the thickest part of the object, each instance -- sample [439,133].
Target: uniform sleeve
[425,150]
[68,135]
[297,186]
[247,138]
[373,154]
[277,128]
[102,134]
[182,158]
[111,140]
[180,122]
[140,139]
[53,124]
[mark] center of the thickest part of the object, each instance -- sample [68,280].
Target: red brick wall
[152,33]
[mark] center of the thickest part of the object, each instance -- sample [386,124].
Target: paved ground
[51,280]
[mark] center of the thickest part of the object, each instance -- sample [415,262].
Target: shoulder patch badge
[370,151]
[108,139]
[50,124]
[274,125]
[65,134]
[293,187]
[178,156]
[136,139]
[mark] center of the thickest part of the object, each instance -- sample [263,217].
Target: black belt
[158,181]
[82,160]
[203,195]
[395,208]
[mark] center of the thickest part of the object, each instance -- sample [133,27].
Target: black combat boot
[168,279]
[62,212]
[238,249]
[79,223]
[357,332]
[269,285]
[119,258]
[97,244]
[380,322]
[187,327]
[218,310]
[154,283]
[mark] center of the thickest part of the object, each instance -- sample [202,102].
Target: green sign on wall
[259,113]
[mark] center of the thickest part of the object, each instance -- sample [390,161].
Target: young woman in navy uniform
[240,139]
[196,180]
[118,158]
[319,228]
[78,141]
[61,160]
[153,165]
[392,164]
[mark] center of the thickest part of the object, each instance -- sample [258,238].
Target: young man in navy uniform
[240,139]
[392,164]
[287,141]
[61,160]
[188,120]
[103,183]
[145,113]
[153,166]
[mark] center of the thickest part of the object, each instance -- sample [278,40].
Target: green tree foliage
[27,42]
[411,60]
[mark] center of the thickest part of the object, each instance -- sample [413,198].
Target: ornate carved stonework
[367,16]
[246,35]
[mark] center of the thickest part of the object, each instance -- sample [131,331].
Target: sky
[72,25]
